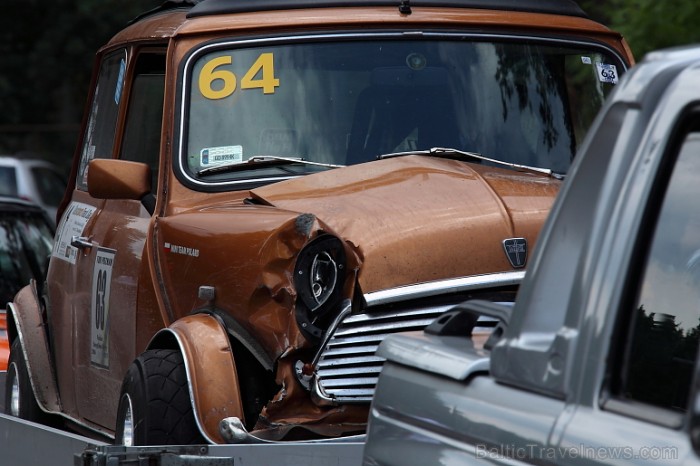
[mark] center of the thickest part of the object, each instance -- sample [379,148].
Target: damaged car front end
[325,175]
[423,185]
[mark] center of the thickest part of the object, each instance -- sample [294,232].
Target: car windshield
[348,102]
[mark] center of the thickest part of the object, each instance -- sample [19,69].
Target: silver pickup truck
[596,362]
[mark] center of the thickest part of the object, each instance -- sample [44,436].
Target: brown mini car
[264,190]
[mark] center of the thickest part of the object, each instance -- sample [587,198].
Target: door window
[99,134]
[141,142]
[663,333]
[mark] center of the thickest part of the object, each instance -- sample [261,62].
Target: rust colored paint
[28,319]
[412,210]
[122,180]
[334,18]
[211,370]
[293,407]
[256,265]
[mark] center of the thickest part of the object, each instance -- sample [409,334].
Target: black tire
[17,383]
[156,392]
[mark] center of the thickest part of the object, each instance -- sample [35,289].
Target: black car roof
[214,7]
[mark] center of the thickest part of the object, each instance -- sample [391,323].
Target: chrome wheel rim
[14,394]
[128,427]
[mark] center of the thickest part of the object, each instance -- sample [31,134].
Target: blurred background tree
[46,57]
[649,24]
[47,49]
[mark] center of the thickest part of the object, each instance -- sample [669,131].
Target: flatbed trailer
[24,443]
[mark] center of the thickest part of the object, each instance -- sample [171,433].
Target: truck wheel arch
[211,369]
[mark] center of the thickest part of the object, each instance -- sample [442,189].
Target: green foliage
[649,24]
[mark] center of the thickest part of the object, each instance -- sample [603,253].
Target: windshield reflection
[349,102]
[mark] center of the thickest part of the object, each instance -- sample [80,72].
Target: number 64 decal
[226,81]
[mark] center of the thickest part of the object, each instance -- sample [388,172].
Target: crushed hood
[414,219]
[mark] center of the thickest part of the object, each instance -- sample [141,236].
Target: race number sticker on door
[101,280]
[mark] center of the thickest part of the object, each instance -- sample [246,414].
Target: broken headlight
[319,276]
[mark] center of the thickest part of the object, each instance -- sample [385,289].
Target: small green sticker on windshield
[224,154]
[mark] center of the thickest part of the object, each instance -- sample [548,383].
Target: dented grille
[347,369]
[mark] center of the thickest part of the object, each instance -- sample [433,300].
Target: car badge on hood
[516,250]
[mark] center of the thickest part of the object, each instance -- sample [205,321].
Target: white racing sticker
[607,73]
[101,285]
[185,251]
[223,154]
[72,224]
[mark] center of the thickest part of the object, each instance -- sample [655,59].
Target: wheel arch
[210,364]
[25,322]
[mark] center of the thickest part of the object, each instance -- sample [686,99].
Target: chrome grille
[347,369]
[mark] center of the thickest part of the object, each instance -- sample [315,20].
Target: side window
[8,181]
[663,334]
[141,141]
[99,134]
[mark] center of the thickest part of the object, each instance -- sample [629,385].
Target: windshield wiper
[449,152]
[263,160]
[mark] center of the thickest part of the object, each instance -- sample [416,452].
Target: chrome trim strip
[347,307]
[456,285]
[351,361]
[319,395]
[362,339]
[347,371]
[389,326]
[356,381]
[369,349]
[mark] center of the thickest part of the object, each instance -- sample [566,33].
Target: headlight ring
[319,276]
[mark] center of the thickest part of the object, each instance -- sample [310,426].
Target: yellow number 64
[264,66]
[210,74]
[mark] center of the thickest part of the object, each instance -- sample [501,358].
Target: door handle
[80,242]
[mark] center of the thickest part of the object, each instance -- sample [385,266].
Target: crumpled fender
[211,371]
[26,323]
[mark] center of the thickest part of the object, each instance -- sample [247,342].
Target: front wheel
[154,406]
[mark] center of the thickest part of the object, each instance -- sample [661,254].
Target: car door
[637,411]
[100,244]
